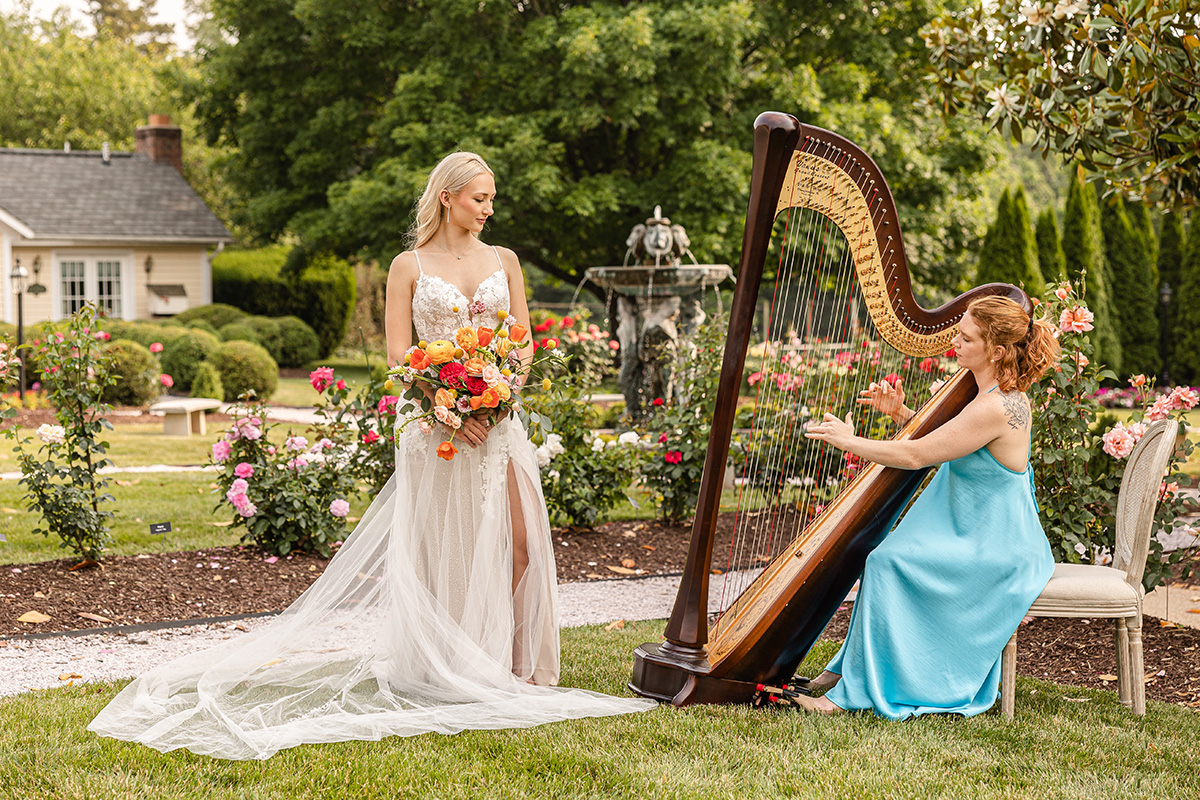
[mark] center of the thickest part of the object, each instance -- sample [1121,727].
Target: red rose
[658,401]
[567,322]
[370,437]
[452,374]
[475,386]
[673,456]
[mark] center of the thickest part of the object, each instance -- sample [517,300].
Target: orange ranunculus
[419,360]
[476,401]
[440,351]
[467,339]
[503,390]
[490,398]
[446,450]
[517,333]
[474,366]
[484,336]
[444,398]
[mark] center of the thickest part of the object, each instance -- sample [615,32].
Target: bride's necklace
[448,250]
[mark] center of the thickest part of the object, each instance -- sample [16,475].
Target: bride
[439,613]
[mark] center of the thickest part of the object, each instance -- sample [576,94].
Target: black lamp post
[18,276]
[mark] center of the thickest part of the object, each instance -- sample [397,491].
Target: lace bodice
[439,308]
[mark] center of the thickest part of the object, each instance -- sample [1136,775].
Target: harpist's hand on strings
[886,399]
[837,432]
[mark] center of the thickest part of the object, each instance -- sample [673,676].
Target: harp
[820,207]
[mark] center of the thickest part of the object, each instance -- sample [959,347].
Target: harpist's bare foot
[817,705]
[826,680]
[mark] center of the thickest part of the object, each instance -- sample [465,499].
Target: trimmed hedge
[298,343]
[137,373]
[240,332]
[207,382]
[268,333]
[244,366]
[183,356]
[218,315]
[322,295]
[144,333]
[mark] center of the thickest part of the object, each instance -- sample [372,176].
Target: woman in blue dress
[942,594]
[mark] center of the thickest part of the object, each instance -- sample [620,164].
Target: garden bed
[241,580]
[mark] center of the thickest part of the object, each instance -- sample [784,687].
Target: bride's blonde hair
[453,173]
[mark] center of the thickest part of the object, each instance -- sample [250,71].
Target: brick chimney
[162,141]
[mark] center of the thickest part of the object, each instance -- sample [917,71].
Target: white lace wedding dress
[414,626]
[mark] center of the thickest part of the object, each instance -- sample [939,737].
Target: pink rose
[339,508]
[320,378]
[248,509]
[1062,292]
[1160,409]
[1118,442]
[1075,320]
[370,437]
[156,347]
[166,380]
[340,385]
[243,470]
[673,456]
[387,404]
[220,451]
[1184,398]
[614,345]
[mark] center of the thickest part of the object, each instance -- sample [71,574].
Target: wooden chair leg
[1137,668]
[1123,663]
[1008,678]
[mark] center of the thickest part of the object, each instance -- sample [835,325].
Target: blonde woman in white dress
[439,613]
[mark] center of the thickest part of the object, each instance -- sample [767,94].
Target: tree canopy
[590,113]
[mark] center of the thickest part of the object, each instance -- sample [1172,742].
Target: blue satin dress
[941,595]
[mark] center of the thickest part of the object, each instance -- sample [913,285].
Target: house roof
[54,194]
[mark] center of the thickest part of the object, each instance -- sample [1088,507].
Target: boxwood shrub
[136,370]
[244,366]
[183,356]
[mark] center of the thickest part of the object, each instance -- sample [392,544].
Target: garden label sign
[157,528]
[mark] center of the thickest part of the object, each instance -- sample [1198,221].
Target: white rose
[543,456]
[51,434]
[597,445]
[628,437]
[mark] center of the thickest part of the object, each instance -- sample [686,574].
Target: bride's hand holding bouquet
[475,377]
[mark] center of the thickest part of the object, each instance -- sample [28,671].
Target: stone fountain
[657,304]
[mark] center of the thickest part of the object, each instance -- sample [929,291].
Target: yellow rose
[443,398]
[440,351]
[503,390]
[467,339]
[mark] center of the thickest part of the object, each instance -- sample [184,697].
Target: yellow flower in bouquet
[444,398]
[474,366]
[440,351]
[467,339]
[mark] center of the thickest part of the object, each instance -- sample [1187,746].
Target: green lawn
[185,499]
[1064,743]
[299,392]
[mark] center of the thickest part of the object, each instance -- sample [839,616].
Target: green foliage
[1113,85]
[245,367]
[285,493]
[1133,289]
[203,325]
[183,356]
[268,333]
[115,19]
[581,481]
[679,432]
[590,114]
[240,332]
[321,293]
[1171,247]
[218,315]
[61,478]
[144,333]
[298,343]
[1185,314]
[583,343]
[135,371]
[1083,245]
[1009,252]
[362,421]
[206,382]
[1051,259]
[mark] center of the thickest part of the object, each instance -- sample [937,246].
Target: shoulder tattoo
[1016,410]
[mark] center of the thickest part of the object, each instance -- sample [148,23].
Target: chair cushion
[1081,590]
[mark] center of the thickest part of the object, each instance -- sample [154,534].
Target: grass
[1064,743]
[298,392]
[185,499]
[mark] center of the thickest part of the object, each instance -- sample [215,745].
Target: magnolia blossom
[1003,101]
[1076,319]
[1035,14]
[220,451]
[339,508]
[1067,8]
[51,434]
[1118,442]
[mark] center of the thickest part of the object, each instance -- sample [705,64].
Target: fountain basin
[664,281]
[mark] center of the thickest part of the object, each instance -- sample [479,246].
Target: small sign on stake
[157,528]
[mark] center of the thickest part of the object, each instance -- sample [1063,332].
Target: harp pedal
[781,696]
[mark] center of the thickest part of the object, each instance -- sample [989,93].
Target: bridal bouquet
[478,373]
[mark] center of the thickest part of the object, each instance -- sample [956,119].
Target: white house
[123,230]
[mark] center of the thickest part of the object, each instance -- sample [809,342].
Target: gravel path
[43,663]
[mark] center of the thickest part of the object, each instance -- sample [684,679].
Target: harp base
[661,674]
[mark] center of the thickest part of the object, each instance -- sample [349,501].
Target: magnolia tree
[1116,85]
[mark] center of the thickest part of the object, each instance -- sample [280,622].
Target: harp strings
[820,350]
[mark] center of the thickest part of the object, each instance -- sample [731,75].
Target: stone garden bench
[184,416]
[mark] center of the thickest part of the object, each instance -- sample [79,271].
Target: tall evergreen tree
[1083,246]
[1185,314]
[1051,259]
[1143,226]
[1134,283]
[1009,252]
[1170,264]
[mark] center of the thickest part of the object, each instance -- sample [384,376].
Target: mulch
[224,581]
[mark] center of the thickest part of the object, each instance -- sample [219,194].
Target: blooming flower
[491,375]
[220,451]
[447,417]
[463,404]
[614,345]
[1076,319]
[1003,101]
[1036,14]
[370,437]
[1067,8]
[446,450]
[1183,398]
[339,508]
[1118,442]
[340,385]
[51,434]
[247,509]
[477,307]
[1062,292]
[387,404]
[658,401]
[628,437]
[156,347]
[673,456]
[1160,408]
[166,380]
[1137,381]
[243,470]
[662,438]
[453,373]
[320,378]
[296,443]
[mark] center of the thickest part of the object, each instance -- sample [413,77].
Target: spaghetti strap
[418,257]
[497,252]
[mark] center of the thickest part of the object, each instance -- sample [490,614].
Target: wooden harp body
[839,210]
